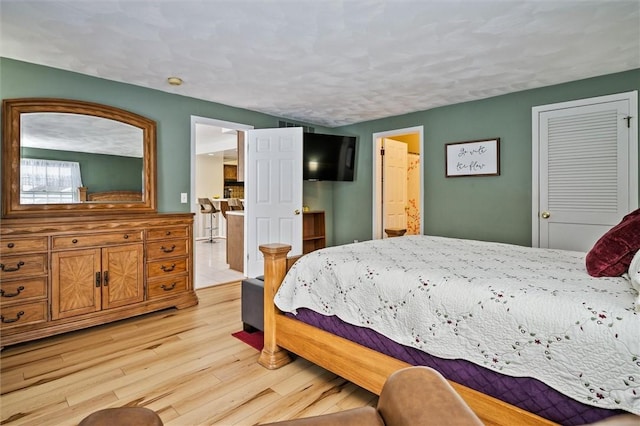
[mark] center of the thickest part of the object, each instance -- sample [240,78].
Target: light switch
[183,197]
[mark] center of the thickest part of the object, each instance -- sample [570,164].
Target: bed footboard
[275,268]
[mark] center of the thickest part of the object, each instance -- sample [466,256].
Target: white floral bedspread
[521,311]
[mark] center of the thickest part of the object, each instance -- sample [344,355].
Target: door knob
[297,211]
[545,215]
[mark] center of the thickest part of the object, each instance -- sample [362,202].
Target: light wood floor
[183,364]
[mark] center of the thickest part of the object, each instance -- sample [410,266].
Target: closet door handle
[106,278]
[98,279]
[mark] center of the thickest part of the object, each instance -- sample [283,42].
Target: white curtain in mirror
[49,181]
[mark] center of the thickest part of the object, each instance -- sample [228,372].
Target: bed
[108,196]
[525,335]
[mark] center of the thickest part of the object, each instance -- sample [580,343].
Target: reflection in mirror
[61,152]
[61,156]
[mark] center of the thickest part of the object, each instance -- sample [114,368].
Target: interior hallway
[210,264]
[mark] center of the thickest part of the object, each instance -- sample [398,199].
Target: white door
[394,184]
[273,193]
[587,169]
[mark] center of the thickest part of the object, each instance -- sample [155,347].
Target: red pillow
[613,252]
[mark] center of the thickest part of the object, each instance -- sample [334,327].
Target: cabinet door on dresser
[122,275]
[76,283]
[91,280]
[23,281]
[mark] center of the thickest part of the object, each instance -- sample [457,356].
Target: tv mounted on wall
[328,157]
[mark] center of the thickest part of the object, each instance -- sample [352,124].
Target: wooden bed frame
[108,195]
[356,363]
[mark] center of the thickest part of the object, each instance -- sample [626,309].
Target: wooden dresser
[67,273]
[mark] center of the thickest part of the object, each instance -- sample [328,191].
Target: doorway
[413,137]
[214,144]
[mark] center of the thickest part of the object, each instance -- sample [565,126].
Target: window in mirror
[49,181]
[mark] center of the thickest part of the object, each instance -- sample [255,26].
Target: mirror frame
[11,111]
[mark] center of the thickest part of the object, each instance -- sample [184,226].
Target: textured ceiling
[80,133]
[328,62]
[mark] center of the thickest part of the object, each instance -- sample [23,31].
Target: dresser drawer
[167,233]
[18,290]
[166,287]
[23,266]
[166,249]
[23,314]
[164,268]
[10,246]
[92,240]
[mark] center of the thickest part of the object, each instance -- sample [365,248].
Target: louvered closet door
[584,173]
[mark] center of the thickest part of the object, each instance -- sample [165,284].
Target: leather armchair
[411,396]
[418,396]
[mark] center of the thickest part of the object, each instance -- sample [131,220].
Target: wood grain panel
[10,246]
[167,249]
[73,277]
[165,267]
[166,287]
[123,279]
[23,314]
[167,233]
[23,265]
[20,290]
[95,240]
[235,241]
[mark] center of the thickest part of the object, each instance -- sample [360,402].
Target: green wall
[496,208]
[99,172]
[488,208]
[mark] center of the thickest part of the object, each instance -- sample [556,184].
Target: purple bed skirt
[529,394]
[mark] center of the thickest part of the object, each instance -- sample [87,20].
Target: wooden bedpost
[275,268]
[82,193]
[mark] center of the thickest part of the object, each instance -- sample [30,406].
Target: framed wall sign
[473,158]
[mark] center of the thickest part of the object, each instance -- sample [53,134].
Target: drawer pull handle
[126,236]
[168,268]
[11,245]
[5,268]
[168,250]
[74,241]
[168,287]
[98,279]
[10,320]
[168,233]
[18,291]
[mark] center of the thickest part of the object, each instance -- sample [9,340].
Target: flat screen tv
[328,157]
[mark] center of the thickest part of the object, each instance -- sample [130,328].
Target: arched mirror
[71,157]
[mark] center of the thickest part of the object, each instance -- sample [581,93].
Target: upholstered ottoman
[122,416]
[253,304]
